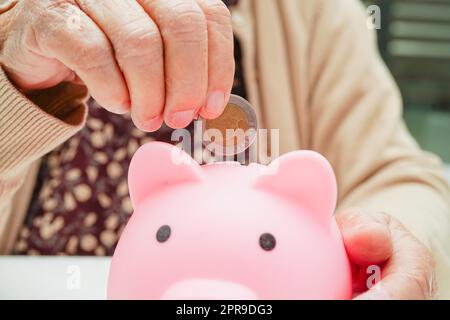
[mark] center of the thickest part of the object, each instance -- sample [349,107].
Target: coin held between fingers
[234,131]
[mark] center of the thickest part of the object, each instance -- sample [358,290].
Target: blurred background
[414,40]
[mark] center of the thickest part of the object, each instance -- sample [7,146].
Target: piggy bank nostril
[267,241]
[163,233]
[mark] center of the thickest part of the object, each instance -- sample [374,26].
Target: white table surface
[66,278]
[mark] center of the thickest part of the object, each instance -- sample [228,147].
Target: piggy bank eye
[267,241]
[163,234]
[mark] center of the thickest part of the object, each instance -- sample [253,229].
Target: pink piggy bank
[226,231]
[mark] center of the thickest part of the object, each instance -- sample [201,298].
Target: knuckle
[41,18]
[24,7]
[54,4]
[218,12]
[219,22]
[139,42]
[58,25]
[185,23]
[57,12]
[90,54]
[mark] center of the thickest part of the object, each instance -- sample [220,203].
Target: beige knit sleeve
[357,124]
[31,126]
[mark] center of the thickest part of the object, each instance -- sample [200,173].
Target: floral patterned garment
[81,202]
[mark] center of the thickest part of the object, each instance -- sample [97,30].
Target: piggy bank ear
[305,177]
[156,165]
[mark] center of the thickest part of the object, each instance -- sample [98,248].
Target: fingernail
[121,109]
[181,119]
[215,103]
[124,107]
[153,124]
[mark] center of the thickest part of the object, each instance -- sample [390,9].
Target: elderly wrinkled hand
[380,242]
[163,60]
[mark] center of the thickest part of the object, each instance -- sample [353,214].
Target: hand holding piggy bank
[226,231]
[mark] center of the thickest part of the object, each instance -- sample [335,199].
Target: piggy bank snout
[206,289]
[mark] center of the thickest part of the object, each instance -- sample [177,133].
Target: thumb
[409,273]
[366,236]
